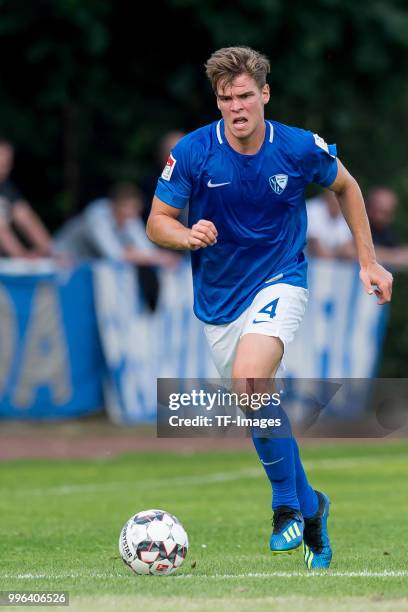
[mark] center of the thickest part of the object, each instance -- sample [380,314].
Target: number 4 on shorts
[270,308]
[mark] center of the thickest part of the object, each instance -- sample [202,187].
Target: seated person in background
[17,214]
[382,204]
[328,233]
[113,228]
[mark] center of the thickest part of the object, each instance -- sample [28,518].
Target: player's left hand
[378,280]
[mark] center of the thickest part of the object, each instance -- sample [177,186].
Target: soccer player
[244,178]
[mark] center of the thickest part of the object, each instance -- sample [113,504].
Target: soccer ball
[153,542]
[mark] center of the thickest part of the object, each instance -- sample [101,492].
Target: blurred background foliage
[87,89]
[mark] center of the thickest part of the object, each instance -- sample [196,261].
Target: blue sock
[306,495]
[277,458]
[275,449]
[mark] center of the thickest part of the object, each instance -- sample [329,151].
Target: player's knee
[253,370]
[240,385]
[243,371]
[251,386]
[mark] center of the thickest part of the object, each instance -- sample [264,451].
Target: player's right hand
[201,235]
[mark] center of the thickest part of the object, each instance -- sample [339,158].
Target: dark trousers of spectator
[149,286]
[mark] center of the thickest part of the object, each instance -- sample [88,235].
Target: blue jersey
[257,204]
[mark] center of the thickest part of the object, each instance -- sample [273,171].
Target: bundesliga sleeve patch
[168,168]
[320,142]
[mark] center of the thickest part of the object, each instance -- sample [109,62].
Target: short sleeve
[174,184]
[318,160]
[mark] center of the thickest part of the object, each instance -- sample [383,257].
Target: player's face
[242,106]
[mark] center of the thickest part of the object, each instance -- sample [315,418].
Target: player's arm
[372,274]
[164,229]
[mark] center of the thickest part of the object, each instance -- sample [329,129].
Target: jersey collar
[269,133]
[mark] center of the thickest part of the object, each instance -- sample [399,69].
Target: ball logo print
[278,182]
[153,542]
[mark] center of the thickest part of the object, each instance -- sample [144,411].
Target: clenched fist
[201,235]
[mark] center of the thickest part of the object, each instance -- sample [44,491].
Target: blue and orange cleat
[316,544]
[287,532]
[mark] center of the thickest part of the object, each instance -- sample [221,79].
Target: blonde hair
[227,63]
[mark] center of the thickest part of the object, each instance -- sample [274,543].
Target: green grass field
[60,523]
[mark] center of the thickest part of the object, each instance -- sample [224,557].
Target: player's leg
[256,362]
[257,359]
[276,314]
[278,311]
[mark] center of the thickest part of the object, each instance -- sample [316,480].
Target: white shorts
[276,310]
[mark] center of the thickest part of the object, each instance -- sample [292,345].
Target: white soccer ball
[153,542]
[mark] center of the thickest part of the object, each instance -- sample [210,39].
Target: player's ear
[266,94]
[218,103]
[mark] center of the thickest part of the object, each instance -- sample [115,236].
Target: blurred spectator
[113,228]
[328,233]
[166,145]
[382,204]
[22,233]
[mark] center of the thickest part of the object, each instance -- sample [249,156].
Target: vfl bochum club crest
[278,182]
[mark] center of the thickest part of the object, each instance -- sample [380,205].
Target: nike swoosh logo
[272,462]
[210,184]
[258,321]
